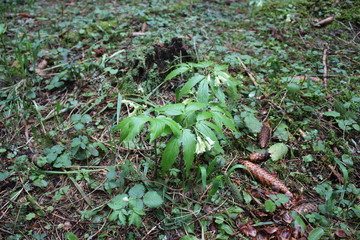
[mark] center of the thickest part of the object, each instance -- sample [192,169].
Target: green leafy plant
[194,126]
[128,208]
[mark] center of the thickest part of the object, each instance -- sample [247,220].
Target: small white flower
[200,145]
[209,143]
[126,199]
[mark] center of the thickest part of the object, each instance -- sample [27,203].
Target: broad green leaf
[203,92]
[153,200]
[224,120]
[135,126]
[135,219]
[86,118]
[136,203]
[122,217]
[189,145]
[174,126]
[156,129]
[172,109]
[213,126]
[316,234]
[71,236]
[293,88]
[30,216]
[113,216]
[332,114]
[203,176]
[194,106]
[4,175]
[278,151]
[203,115]
[219,93]
[75,118]
[137,191]
[282,132]
[176,72]
[299,222]
[170,153]
[190,84]
[270,206]
[123,124]
[252,123]
[119,202]
[227,229]
[215,186]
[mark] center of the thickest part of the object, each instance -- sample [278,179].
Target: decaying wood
[264,134]
[266,178]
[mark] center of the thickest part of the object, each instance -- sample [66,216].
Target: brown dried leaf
[258,157]
[264,134]
[266,178]
[248,230]
[42,64]
[340,233]
[306,208]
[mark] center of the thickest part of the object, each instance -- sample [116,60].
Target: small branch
[325,21]
[248,72]
[325,67]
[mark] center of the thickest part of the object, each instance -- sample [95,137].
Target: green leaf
[194,106]
[316,234]
[156,129]
[189,85]
[174,126]
[293,88]
[170,153]
[189,145]
[153,200]
[136,203]
[201,64]
[119,202]
[278,151]
[219,93]
[252,123]
[123,124]
[137,191]
[221,119]
[135,126]
[299,222]
[86,118]
[122,217]
[30,216]
[282,132]
[176,72]
[4,175]
[135,219]
[270,206]
[213,126]
[172,109]
[227,229]
[203,91]
[71,236]
[113,216]
[332,114]
[75,118]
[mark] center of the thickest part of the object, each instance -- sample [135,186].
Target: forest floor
[179,119]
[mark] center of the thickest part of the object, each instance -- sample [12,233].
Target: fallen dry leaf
[266,178]
[306,208]
[341,234]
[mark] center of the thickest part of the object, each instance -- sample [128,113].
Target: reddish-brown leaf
[258,157]
[266,178]
[340,233]
[264,134]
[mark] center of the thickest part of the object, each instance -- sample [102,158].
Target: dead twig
[325,21]
[325,66]
[248,72]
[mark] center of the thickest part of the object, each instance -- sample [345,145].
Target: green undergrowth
[130,119]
